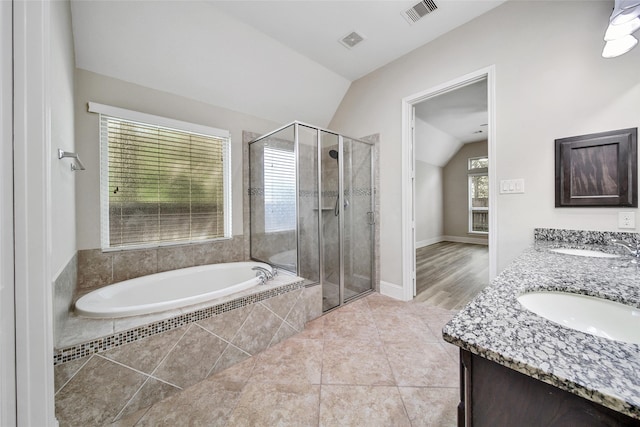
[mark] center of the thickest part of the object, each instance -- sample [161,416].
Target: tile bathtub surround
[101,388]
[97,268]
[319,376]
[89,336]
[495,326]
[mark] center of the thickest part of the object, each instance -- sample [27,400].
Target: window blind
[162,185]
[279,190]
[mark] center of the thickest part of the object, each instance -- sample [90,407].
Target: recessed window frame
[471,173]
[171,124]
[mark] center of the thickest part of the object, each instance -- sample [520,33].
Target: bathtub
[169,290]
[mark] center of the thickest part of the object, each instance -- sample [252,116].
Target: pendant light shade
[619,47]
[624,21]
[624,11]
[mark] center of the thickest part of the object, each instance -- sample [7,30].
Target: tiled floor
[374,362]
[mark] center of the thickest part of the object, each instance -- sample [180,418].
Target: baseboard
[391,290]
[458,239]
[427,242]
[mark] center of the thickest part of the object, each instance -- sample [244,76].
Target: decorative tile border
[108,342]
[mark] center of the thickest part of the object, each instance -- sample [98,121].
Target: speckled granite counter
[496,327]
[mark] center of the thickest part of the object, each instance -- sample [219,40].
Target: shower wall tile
[135,263]
[95,268]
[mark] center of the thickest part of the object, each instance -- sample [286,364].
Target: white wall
[62,136]
[456,191]
[106,90]
[429,204]
[551,82]
[434,146]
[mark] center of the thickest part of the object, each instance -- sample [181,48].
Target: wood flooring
[449,275]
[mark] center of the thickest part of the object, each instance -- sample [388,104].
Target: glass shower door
[358,216]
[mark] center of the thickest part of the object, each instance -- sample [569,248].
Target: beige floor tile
[422,364]
[277,405]
[346,325]
[403,326]
[313,329]
[343,405]
[208,403]
[431,407]
[294,361]
[151,392]
[356,363]
[239,373]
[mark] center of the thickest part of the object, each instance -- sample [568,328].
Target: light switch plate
[626,220]
[512,186]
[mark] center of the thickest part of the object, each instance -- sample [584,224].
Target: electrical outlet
[626,220]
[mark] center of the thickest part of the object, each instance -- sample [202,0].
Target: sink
[584,252]
[588,314]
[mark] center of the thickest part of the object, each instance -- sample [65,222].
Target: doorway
[436,115]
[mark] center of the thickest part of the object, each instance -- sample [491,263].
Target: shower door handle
[371,218]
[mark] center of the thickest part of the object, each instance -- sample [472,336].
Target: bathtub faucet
[263,273]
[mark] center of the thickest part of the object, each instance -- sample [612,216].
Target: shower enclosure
[312,208]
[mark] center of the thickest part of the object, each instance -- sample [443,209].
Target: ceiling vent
[419,11]
[351,39]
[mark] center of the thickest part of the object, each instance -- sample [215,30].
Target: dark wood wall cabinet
[598,170]
[494,395]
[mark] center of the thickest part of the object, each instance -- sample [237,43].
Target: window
[279,190]
[162,181]
[478,195]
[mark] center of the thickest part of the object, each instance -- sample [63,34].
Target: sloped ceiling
[278,60]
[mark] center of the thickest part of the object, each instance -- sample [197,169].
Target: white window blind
[279,190]
[161,185]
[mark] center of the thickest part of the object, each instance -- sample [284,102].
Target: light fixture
[624,21]
[624,11]
[615,32]
[619,47]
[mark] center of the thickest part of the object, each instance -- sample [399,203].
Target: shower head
[333,154]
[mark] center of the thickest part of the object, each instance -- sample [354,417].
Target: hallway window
[478,172]
[162,185]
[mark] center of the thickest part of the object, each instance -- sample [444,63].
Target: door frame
[408,172]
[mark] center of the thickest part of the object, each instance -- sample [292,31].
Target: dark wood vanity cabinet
[494,395]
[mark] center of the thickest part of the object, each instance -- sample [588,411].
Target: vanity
[518,368]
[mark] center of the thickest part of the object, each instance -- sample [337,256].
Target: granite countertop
[497,327]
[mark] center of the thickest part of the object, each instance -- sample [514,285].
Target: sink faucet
[633,248]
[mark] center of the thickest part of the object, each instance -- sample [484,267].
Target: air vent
[419,11]
[351,39]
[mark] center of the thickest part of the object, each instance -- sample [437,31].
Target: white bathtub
[168,290]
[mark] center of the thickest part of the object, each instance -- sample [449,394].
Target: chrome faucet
[264,274]
[633,248]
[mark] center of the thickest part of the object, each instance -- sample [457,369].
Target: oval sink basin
[583,313]
[583,252]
